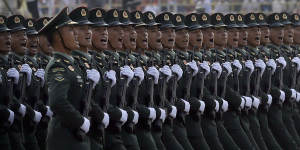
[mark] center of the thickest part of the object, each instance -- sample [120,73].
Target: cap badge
[125,15]
[204,18]
[17,20]
[166,17]
[261,17]
[115,14]
[231,18]
[284,16]
[1,20]
[276,17]
[252,17]
[218,17]
[45,22]
[137,15]
[30,23]
[98,13]
[178,18]
[150,16]
[240,18]
[83,12]
[296,17]
[193,18]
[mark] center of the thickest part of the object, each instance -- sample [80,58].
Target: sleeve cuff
[85,127]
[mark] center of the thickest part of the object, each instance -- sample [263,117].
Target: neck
[219,47]
[196,48]
[58,46]
[181,48]
[83,49]
[140,50]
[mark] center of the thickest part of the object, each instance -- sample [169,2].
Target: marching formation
[120,80]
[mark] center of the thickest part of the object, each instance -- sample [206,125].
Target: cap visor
[296,24]
[115,23]
[252,25]
[287,23]
[99,24]
[84,22]
[19,28]
[166,26]
[180,27]
[31,32]
[219,25]
[276,25]
[194,27]
[206,25]
[232,26]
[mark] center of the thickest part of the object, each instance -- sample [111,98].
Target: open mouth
[33,46]
[280,38]
[199,40]
[266,37]
[211,40]
[132,39]
[290,36]
[244,39]
[7,43]
[158,40]
[145,40]
[170,40]
[235,40]
[120,39]
[257,38]
[23,44]
[103,40]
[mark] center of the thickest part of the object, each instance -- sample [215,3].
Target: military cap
[285,18]
[191,21]
[295,19]
[3,26]
[250,20]
[96,16]
[40,23]
[230,21]
[136,17]
[58,21]
[124,18]
[178,21]
[15,23]
[240,21]
[261,19]
[80,15]
[274,20]
[204,20]
[30,27]
[217,20]
[165,20]
[112,18]
[149,19]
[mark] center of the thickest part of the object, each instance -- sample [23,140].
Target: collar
[64,56]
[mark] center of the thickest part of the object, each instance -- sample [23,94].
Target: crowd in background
[39,8]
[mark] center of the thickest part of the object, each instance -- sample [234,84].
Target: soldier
[108,77]
[118,116]
[275,113]
[168,55]
[65,85]
[265,84]
[8,77]
[193,119]
[154,45]
[43,57]
[190,69]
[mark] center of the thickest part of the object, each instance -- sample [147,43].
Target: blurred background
[40,8]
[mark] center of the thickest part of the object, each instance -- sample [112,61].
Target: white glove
[166,71]
[243,101]
[282,61]
[105,120]
[296,60]
[135,117]
[206,67]
[111,75]
[294,93]
[236,63]
[93,75]
[11,117]
[26,69]
[22,110]
[271,63]
[177,70]
[227,66]
[124,116]
[154,73]
[37,116]
[216,66]
[173,112]
[248,101]
[202,106]
[282,96]
[194,67]
[298,97]
[269,99]
[249,65]
[187,106]
[162,114]
[256,102]
[85,127]
[217,107]
[138,72]
[49,113]
[13,73]
[224,105]
[261,65]
[126,71]
[40,73]
[152,114]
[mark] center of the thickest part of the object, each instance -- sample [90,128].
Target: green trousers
[168,137]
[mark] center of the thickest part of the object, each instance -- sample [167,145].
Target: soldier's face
[44,45]
[100,38]
[69,37]
[142,37]
[233,37]
[243,39]
[19,41]
[155,38]
[276,35]
[221,36]
[115,37]
[254,35]
[208,38]
[84,35]
[182,39]
[288,34]
[130,37]
[265,35]
[5,42]
[297,34]
[196,38]
[168,38]
[32,44]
